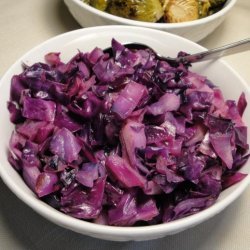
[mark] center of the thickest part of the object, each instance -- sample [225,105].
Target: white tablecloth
[26,23]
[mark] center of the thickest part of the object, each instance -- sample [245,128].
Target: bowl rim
[90,228]
[229,4]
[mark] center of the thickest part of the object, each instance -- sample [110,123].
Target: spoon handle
[216,53]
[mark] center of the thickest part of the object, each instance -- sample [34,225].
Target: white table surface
[23,25]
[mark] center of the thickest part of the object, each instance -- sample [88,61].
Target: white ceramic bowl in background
[85,40]
[88,16]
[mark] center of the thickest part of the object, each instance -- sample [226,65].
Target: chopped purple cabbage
[64,144]
[46,183]
[128,99]
[167,102]
[124,140]
[126,175]
[38,109]
[87,174]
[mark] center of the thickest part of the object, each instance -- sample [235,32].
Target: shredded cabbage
[124,140]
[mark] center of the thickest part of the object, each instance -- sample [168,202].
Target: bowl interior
[85,40]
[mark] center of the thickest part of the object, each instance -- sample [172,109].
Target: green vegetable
[204,7]
[181,11]
[217,3]
[170,11]
[98,4]
[141,10]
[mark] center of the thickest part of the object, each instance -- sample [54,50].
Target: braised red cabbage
[124,139]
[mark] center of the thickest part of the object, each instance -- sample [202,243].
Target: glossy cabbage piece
[124,139]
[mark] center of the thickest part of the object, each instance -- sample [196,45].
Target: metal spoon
[216,53]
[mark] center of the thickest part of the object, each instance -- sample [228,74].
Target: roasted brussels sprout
[141,10]
[98,4]
[181,11]
[164,3]
[170,11]
[217,3]
[204,7]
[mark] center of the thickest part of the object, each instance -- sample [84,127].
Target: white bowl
[88,16]
[86,39]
